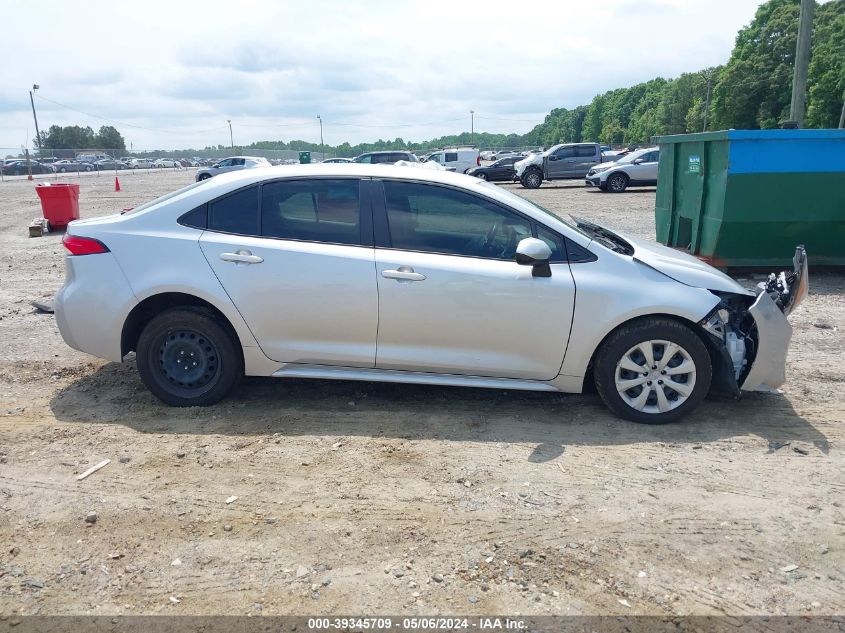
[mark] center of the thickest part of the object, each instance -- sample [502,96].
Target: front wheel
[187,358]
[532,179]
[481,176]
[204,176]
[652,371]
[617,183]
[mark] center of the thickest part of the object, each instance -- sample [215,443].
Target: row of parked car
[21,167]
[601,167]
[608,170]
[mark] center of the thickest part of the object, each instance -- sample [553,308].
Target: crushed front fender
[768,371]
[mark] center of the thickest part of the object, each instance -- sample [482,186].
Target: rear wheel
[653,371]
[617,183]
[186,358]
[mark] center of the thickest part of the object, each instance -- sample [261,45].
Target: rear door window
[236,213]
[583,152]
[319,210]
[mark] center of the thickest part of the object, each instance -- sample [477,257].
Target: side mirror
[534,252]
[639,161]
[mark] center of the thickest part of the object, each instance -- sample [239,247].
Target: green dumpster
[746,198]
[304,158]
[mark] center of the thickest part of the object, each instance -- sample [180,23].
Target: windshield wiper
[610,239]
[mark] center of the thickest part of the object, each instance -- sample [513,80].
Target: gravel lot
[360,498]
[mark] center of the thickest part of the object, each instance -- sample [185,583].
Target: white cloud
[178,70]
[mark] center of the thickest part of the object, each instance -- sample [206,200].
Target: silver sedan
[402,274]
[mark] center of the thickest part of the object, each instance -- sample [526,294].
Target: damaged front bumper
[751,342]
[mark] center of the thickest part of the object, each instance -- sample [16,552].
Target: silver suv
[233,163]
[637,169]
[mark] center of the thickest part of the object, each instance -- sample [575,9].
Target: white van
[459,160]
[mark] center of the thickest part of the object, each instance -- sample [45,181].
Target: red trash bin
[59,203]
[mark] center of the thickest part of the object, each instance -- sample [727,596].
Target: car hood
[683,267]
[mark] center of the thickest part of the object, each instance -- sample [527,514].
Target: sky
[169,75]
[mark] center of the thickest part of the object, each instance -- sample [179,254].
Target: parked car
[636,169]
[166,162]
[385,157]
[338,160]
[109,163]
[501,170]
[460,160]
[487,154]
[440,279]
[20,168]
[505,153]
[66,165]
[139,163]
[233,163]
[567,160]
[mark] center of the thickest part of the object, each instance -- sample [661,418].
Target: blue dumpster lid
[753,135]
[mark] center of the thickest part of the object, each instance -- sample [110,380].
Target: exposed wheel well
[715,354]
[150,307]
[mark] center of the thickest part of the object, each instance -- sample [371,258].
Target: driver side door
[561,163]
[452,300]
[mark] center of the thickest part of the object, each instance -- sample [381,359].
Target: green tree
[109,138]
[755,88]
[826,75]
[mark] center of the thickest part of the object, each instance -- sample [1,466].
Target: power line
[124,123]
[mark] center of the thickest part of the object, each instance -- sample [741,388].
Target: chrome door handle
[241,257]
[405,273]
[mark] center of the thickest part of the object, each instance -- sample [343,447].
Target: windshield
[165,197]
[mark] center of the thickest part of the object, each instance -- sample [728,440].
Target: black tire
[616,183]
[62,169]
[89,168]
[191,339]
[619,343]
[481,176]
[532,179]
[204,177]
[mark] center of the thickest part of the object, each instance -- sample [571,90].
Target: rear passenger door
[297,260]
[585,157]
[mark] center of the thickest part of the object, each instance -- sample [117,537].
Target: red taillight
[83,245]
[478,160]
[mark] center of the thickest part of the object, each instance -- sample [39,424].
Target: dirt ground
[367,499]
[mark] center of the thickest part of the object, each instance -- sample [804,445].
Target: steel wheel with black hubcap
[653,370]
[186,358]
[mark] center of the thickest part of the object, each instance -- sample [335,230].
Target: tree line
[751,91]
[74,137]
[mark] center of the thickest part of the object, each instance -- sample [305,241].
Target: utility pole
[322,149]
[707,99]
[37,133]
[231,138]
[472,127]
[798,105]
